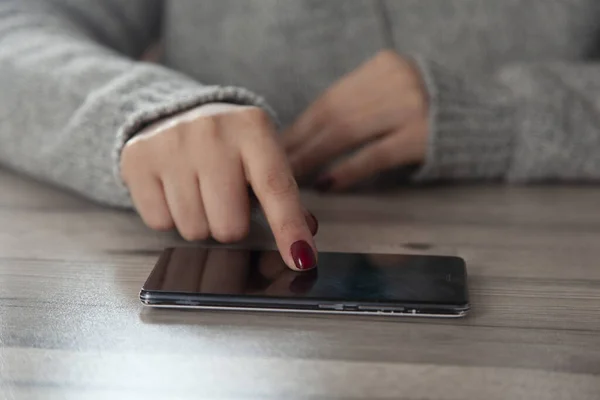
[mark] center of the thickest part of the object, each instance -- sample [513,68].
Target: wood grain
[72,327]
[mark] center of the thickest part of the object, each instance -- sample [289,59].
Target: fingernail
[303,282]
[303,255]
[324,184]
[313,223]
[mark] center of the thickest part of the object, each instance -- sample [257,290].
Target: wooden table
[72,327]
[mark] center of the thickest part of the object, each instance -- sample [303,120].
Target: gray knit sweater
[514,86]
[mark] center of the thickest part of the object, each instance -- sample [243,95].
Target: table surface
[72,326]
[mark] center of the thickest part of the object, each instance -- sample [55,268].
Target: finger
[338,104]
[357,109]
[257,215]
[325,146]
[226,272]
[225,196]
[276,189]
[309,122]
[149,200]
[354,123]
[335,101]
[386,153]
[182,191]
[312,129]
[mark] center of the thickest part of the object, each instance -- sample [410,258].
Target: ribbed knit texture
[513,86]
[472,122]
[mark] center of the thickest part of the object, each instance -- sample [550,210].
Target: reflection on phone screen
[360,277]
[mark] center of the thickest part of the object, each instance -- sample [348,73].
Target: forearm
[70,103]
[525,123]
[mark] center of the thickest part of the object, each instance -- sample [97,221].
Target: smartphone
[217,278]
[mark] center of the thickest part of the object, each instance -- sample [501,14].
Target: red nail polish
[303,255]
[324,184]
[313,223]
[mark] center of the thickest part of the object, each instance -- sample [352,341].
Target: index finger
[271,178]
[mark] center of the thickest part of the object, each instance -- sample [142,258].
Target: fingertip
[303,255]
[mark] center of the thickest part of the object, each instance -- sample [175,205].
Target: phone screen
[379,278]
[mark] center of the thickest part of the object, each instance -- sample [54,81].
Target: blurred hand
[192,172]
[381,109]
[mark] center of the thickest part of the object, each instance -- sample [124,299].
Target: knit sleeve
[523,123]
[72,91]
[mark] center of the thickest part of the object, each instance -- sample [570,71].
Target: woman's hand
[381,109]
[192,171]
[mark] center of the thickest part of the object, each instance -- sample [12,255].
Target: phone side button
[336,307]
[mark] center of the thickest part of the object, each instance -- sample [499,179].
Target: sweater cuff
[156,93]
[472,126]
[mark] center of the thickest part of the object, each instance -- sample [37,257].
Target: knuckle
[185,135]
[193,232]
[205,129]
[158,222]
[387,56]
[292,227]
[280,183]
[231,234]
[255,116]
[168,145]
[387,59]
[133,159]
[390,62]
